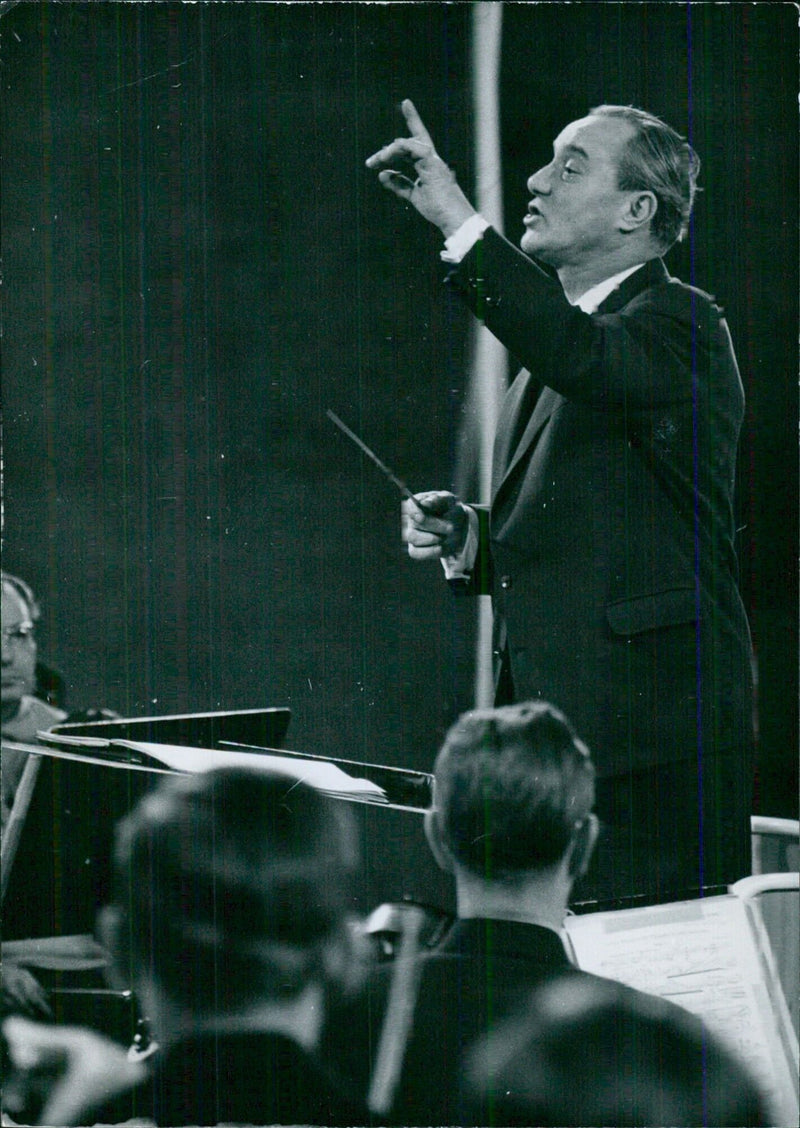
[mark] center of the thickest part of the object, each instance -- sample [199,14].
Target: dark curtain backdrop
[198,264]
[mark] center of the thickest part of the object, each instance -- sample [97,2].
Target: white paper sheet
[703,956]
[323,776]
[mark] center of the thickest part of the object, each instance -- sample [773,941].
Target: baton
[384,469]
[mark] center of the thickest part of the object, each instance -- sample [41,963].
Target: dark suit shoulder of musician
[476,974]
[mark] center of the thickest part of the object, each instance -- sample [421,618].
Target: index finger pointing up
[414,121]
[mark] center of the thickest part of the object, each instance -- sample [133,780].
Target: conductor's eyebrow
[574,150]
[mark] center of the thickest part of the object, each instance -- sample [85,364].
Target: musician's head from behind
[619,188]
[583,1050]
[232,899]
[512,809]
[20,613]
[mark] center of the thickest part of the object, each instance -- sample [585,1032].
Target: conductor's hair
[511,785]
[230,886]
[657,159]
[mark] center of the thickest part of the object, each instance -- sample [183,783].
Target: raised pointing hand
[433,191]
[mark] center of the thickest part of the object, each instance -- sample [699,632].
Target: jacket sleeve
[638,358]
[480,579]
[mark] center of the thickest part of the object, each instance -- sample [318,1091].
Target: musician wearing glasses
[23,716]
[23,713]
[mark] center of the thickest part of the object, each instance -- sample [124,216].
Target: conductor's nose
[538,183]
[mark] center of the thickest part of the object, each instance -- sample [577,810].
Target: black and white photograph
[399,563]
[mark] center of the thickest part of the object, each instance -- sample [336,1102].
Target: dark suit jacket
[479,972]
[608,548]
[244,1078]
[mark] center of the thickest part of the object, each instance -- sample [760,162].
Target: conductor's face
[573,216]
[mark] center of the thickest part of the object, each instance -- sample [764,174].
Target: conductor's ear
[582,846]
[444,859]
[639,210]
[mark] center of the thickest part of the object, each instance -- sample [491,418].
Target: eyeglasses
[20,633]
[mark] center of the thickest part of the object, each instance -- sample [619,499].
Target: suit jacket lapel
[649,275]
[517,406]
[546,404]
[512,446]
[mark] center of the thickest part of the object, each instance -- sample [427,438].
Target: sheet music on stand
[93,775]
[707,957]
[322,775]
[396,788]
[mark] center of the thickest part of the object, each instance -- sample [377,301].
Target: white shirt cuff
[459,567]
[462,240]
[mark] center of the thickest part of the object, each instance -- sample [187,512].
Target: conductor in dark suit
[608,544]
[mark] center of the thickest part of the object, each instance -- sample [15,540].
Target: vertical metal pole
[489,359]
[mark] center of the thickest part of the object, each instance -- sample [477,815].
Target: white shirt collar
[594,297]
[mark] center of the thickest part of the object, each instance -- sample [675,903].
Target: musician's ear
[582,846]
[439,849]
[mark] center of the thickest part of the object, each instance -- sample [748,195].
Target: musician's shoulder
[33,716]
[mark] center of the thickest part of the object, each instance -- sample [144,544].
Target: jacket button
[505,582]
